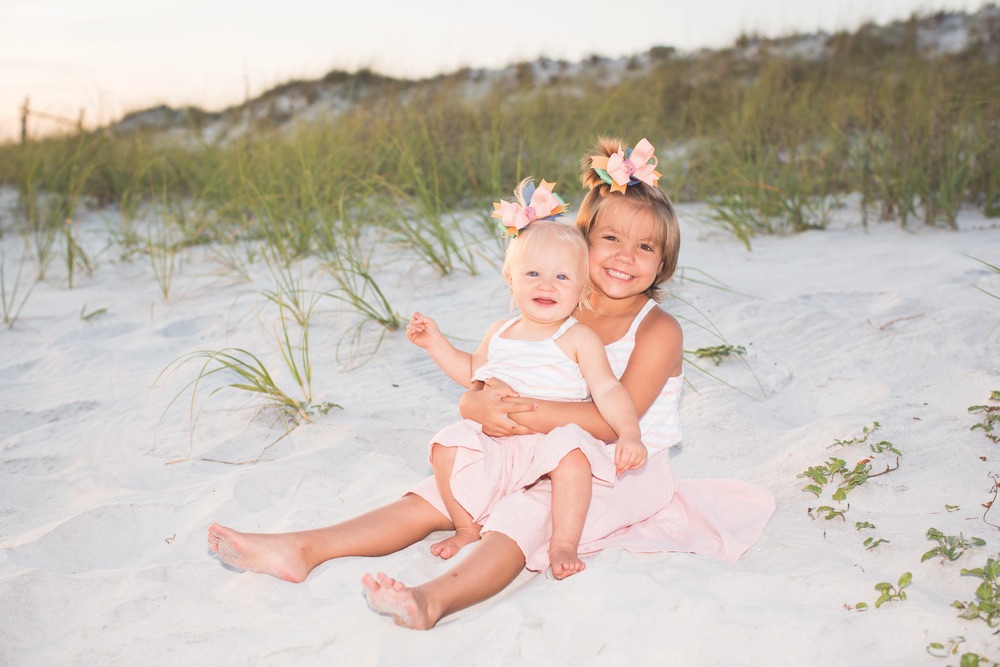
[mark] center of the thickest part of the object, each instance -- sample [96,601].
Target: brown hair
[640,196]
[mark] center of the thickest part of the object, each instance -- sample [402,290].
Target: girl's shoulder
[658,322]
[661,329]
[496,327]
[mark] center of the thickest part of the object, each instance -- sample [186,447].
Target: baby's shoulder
[581,334]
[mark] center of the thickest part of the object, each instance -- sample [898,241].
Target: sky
[104,58]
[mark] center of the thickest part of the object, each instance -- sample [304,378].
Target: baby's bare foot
[405,605]
[564,561]
[451,546]
[278,555]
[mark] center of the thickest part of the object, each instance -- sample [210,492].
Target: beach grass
[773,141]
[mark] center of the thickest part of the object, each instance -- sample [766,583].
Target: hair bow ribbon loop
[628,167]
[542,203]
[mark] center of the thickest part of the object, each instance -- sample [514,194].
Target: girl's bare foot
[279,555]
[564,561]
[405,605]
[451,546]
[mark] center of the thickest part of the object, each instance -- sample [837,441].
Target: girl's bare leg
[466,530]
[292,556]
[489,569]
[571,491]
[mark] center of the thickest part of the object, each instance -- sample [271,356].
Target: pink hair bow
[628,167]
[543,203]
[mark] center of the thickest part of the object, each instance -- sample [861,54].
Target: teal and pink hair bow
[628,167]
[542,204]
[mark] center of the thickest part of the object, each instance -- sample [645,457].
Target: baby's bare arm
[423,332]
[611,398]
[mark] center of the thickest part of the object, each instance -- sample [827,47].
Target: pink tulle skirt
[502,484]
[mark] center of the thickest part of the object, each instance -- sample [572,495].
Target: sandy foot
[451,546]
[387,596]
[564,561]
[278,555]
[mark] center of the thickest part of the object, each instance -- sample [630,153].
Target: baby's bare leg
[571,492]
[490,568]
[466,530]
[292,556]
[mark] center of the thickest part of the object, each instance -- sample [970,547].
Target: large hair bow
[542,204]
[628,167]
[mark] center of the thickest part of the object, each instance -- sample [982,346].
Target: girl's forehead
[627,218]
[553,251]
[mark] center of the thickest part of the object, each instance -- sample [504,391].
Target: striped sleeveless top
[661,425]
[536,368]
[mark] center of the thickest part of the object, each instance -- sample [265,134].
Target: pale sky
[108,57]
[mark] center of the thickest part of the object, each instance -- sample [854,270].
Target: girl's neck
[610,318]
[602,307]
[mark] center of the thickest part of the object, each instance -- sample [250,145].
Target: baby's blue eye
[533,274]
[562,276]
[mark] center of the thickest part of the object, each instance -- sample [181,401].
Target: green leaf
[905,579]
[985,591]
[969,660]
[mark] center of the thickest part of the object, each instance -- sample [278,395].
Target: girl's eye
[562,276]
[533,274]
[646,246]
[609,237]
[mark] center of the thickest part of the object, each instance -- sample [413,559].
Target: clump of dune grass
[247,373]
[14,294]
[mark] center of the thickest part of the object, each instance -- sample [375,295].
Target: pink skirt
[488,469]
[645,510]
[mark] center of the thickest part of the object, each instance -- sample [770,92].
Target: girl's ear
[509,279]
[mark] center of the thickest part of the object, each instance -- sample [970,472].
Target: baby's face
[548,282]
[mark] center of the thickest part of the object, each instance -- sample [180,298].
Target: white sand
[103,557]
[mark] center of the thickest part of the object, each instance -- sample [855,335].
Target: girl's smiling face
[625,251]
[548,281]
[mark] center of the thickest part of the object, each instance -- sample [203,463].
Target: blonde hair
[639,196]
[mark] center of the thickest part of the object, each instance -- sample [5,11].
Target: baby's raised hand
[630,454]
[422,331]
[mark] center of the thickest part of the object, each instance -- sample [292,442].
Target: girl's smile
[625,250]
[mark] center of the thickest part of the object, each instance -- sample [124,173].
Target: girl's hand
[492,405]
[630,454]
[422,331]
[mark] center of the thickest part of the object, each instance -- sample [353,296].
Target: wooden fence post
[24,121]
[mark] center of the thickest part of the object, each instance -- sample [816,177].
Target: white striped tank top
[661,425]
[536,368]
